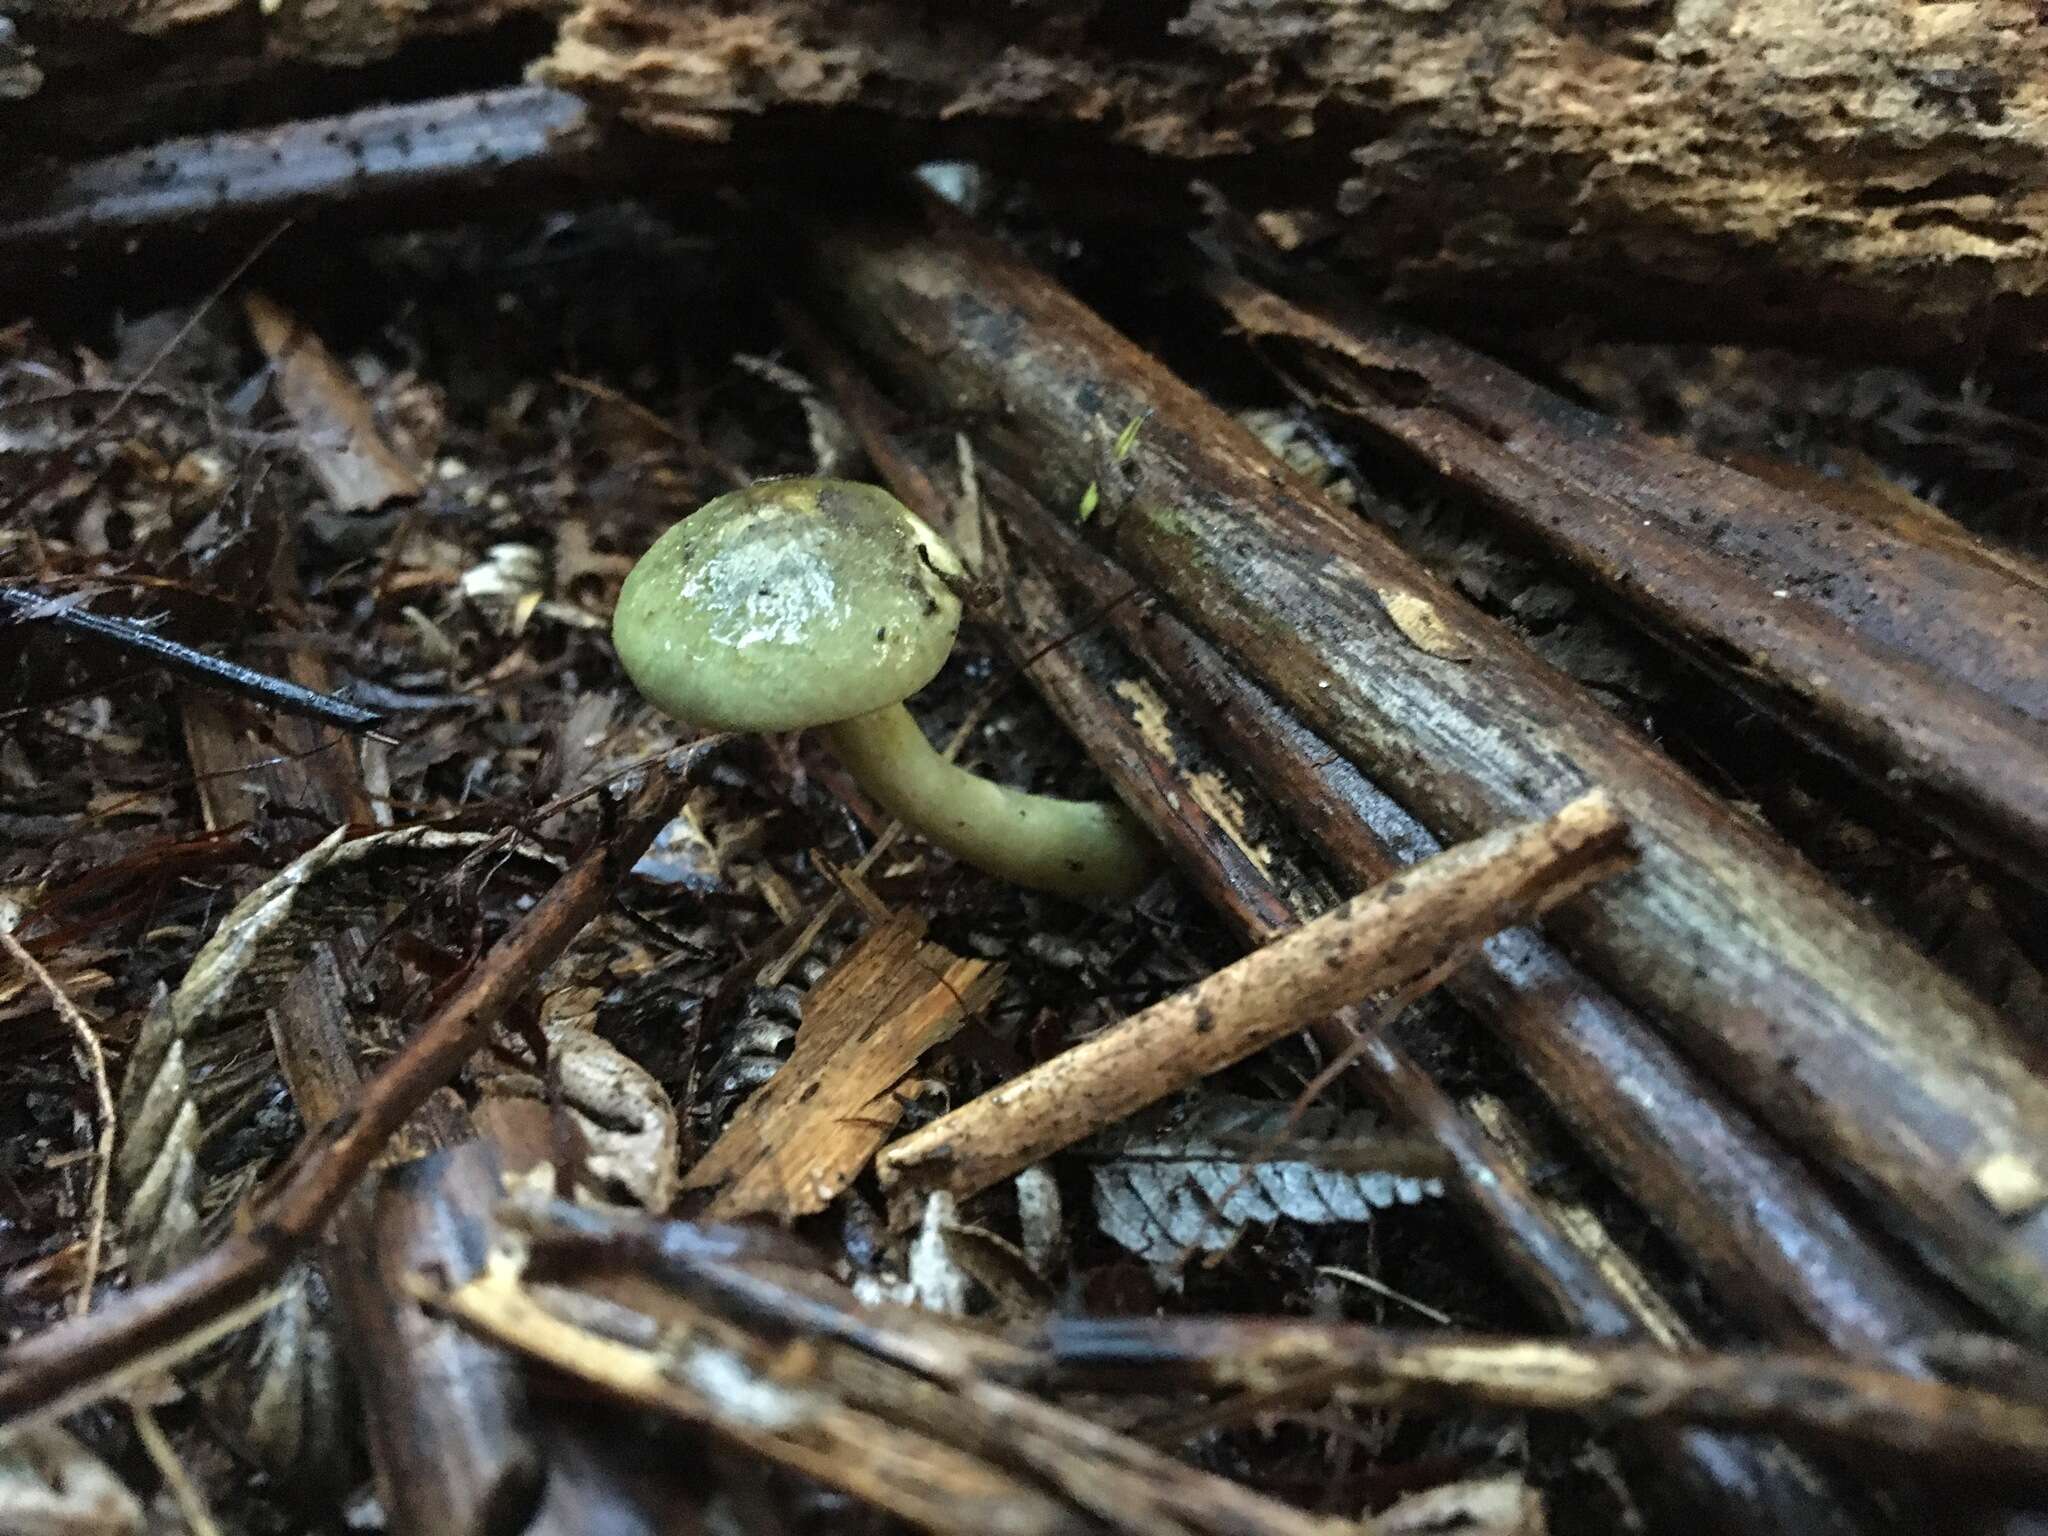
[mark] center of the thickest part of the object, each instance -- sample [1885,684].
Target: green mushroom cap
[789,604]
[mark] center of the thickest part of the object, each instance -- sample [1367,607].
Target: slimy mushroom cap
[789,604]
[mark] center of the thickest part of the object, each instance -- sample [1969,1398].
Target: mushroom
[813,602]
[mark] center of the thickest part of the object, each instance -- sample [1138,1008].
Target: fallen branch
[886,1406]
[1978,1433]
[1812,1012]
[428,158]
[1908,648]
[58,1367]
[1381,939]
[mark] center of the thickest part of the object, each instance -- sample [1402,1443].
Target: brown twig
[95,1058]
[1977,1432]
[52,1366]
[1379,939]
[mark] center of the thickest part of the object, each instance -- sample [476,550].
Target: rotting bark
[1869,168]
[1906,647]
[1865,171]
[1810,1010]
[1389,937]
[207,38]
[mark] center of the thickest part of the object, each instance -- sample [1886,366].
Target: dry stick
[422,155]
[1379,939]
[185,1493]
[103,1100]
[1977,1432]
[1916,654]
[1809,1009]
[42,1370]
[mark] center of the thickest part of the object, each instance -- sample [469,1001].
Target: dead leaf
[624,1118]
[337,428]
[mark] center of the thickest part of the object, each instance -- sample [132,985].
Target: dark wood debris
[450,998]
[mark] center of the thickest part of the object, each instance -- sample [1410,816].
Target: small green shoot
[1119,450]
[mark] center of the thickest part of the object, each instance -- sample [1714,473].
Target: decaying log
[1807,1008]
[1904,646]
[1209,820]
[1842,168]
[1393,936]
[1869,167]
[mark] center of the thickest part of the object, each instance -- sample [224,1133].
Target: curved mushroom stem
[1083,849]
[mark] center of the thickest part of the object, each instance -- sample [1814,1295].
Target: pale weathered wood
[793,1148]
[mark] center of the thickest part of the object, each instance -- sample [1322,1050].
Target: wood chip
[803,1138]
[337,428]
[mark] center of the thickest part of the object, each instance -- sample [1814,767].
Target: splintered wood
[803,1138]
